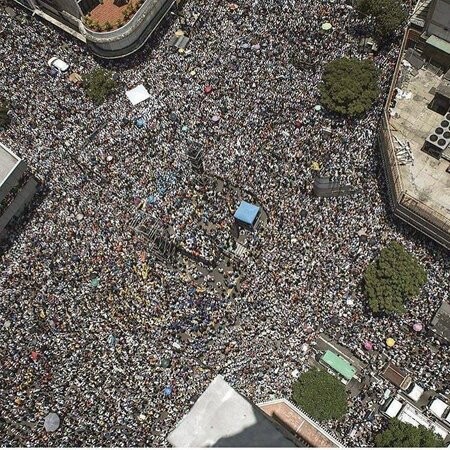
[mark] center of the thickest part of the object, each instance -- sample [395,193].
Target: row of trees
[324,397]
[399,434]
[350,86]
[387,15]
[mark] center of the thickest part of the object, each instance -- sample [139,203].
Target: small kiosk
[247,216]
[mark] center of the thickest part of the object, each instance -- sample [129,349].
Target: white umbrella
[10,11]
[51,422]
[327,26]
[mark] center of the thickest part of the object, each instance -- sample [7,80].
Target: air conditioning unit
[439,139]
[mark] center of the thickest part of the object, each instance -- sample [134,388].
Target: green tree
[399,434]
[349,86]
[5,119]
[388,15]
[320,394]
[99,85]
[392,279]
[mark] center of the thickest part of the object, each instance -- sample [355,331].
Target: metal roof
[441,321]
[339,364]
[439,43]
[438,407]
[396,376]
[247,213]
[394,408]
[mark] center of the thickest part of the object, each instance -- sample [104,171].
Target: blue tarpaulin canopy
[140,122]
[167,391]
[247,213]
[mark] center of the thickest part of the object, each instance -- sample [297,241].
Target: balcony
[114,31]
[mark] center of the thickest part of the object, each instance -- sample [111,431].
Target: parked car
[58,64]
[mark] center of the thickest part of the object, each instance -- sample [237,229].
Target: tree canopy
[320,395]
[99,85]
[388,15]
[4,117]
[392,279]
[349,86]
[399,434]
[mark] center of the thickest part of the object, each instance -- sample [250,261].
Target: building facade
[427,39]
[17,186]
[430,32]
[110,28]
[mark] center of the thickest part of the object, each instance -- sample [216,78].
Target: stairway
[240,251]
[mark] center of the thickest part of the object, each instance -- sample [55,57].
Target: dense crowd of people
[121,357]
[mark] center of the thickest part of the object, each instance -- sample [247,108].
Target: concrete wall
[12,179]
[404,206]
[437,22]
[21,200]
[59,7]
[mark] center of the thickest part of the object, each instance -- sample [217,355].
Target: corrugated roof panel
[340,365]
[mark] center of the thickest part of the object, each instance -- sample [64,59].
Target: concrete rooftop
[7,162]
[221,417]
[412,121]
[299,423]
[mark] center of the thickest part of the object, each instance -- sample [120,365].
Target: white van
[439,408]
[414,392]
[58,64]
[393,407]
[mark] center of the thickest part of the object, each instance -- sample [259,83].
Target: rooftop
[299,423]
[412,121]
[8,160]
[339,364]
[441,321]
[222,417]
[394,374]
[247,212]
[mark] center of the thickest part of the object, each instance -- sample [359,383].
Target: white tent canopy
[138,94]
[438,407]
[415,393]
[394,408]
